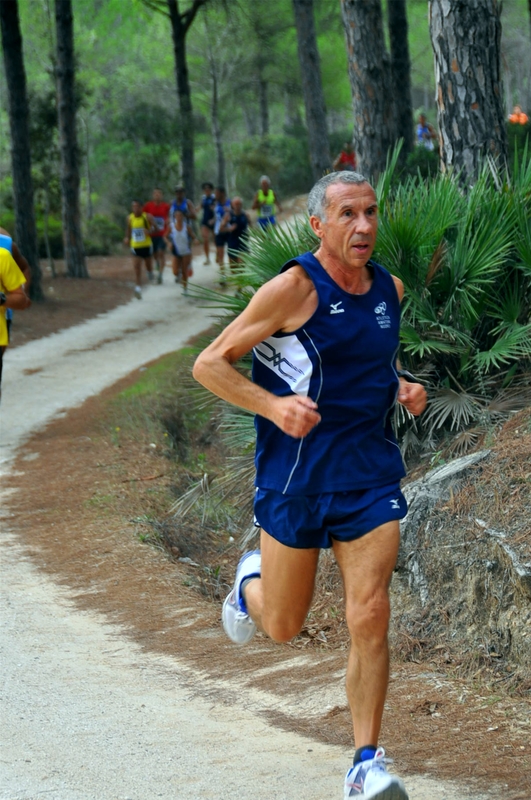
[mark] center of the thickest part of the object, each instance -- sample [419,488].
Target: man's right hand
[295,415]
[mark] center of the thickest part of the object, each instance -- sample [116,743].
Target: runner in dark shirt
[235,225]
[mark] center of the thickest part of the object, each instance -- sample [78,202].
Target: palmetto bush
[465,260]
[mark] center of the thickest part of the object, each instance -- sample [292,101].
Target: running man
[235,224]
[159,210]
[346,160]
[221,212]
[266,202]
[208,201]
[139,227]
[324,336]
[181,236]
[181,203]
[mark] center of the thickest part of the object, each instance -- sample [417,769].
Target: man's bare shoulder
[399,287]
[287,298]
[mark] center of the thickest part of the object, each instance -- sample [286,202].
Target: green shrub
[103,235]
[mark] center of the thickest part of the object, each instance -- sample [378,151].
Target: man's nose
[363,223]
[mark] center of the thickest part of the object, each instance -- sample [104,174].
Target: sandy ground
[87,713]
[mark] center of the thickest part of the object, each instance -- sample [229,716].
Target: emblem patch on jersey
[383,319]
[334,308]
[395,502]
[287,357]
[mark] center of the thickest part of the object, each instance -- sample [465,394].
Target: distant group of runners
[151,227]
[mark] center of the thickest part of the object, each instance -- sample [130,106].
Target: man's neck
[354,280]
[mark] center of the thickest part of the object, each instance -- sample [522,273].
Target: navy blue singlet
[344,358]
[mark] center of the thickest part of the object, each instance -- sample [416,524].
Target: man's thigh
[367,563]
[288,578]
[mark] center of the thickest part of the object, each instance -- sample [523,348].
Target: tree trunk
[179,30]
[25,227]
[264,105]
[216,129]
[466,43]
[312,88]
[370,80]
[66,110]
[401,73]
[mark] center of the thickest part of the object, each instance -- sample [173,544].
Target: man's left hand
[413,396]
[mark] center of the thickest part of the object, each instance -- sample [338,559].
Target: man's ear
[316,225]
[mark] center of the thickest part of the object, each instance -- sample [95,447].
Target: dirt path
[88,712]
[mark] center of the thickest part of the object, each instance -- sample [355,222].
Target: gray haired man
[324,336]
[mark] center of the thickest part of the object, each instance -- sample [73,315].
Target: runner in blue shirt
[324,336]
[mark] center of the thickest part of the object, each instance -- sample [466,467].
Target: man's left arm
[411,395]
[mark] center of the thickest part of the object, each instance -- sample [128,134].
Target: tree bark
[312,88]
[25,227]
[180,25]
[66,111]
[401,73]
[264,104]
[466,43]
[370,80]
[214,111]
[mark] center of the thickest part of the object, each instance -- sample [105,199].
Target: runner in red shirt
[159,210]
[346,160]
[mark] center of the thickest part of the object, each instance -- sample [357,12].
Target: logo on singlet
[395,502]
[334,308]
[383,319]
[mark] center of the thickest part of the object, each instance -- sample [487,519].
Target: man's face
[348,147]
[136,208]
[265,186]
[157,196]
[237,206]
[179,195]
[348,234]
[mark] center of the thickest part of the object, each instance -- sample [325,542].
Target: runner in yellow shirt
[140,226]
[12,295]
[266,202]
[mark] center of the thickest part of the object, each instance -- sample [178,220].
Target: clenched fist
[295,415]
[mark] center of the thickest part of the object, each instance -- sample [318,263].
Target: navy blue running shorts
[159,243]
[307,521]
[221,239]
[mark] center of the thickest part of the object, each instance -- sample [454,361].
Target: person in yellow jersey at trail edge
[139,227]
[12,295]
[266,202]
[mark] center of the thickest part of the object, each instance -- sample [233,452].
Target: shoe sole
[395,792]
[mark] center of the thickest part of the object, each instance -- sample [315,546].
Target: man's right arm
[267,312]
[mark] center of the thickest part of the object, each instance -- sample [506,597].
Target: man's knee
[368,620]
[281,627]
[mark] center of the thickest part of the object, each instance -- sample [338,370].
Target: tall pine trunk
[370,81]
[214,115]
[312,88]
[264,103]
[179,28]
[66,111]
[25,228]
[401,73]
[466,43]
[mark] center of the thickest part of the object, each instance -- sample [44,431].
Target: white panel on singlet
[287,357]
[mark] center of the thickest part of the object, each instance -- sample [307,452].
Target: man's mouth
[361,247]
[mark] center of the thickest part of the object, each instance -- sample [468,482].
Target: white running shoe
[237,623]
[371,781]
[138,293]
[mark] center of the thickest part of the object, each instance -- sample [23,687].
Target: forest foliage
[128,117]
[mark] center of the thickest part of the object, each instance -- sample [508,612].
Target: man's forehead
[340,193]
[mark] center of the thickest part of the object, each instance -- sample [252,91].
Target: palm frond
[513,344]
[447,405]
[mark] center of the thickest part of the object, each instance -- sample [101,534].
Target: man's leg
[279,600]
[205,233]
[366,566]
